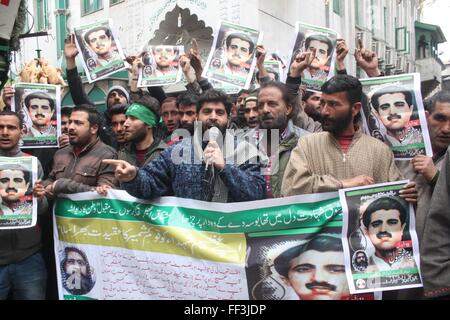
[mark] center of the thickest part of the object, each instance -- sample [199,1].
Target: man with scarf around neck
[22,269]
[198,170]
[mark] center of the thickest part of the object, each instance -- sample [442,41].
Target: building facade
[386,26]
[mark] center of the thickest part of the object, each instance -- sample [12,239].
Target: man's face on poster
[321,58]
[40,112]
[75,264]
[318,275]
[393,111]
[164,56]
[99,42]
[385,229]
[238,52]
[13,185]
[361,259]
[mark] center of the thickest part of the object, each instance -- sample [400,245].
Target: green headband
[142,113]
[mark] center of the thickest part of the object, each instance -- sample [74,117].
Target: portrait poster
[40,107]
[225,87]
[161,66]
[119,247]
[394,113]
[274,70]
[232,57]
[18,207]
[322,67]
[101,52]
[379,237]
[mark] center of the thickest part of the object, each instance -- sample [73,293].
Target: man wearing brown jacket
[78,167]
[342,156]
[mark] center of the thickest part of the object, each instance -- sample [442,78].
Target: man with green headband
[142,146]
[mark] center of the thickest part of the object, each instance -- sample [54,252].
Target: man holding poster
[22,268]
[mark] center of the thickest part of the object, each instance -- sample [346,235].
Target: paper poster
[18,207]
[119,247]
[309,37]
[232,57]
[40,107]
[394,113]
[161,66]
[100,49]
[380,242]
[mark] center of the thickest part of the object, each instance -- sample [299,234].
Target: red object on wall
[4,2]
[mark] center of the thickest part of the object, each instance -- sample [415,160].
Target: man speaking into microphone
[214,179]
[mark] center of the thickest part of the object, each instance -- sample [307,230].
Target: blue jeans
[26,280]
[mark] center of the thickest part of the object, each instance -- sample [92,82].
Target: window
[41,15]
[337,6]
[400,39]
[89,6]
[113,2]
[359,12]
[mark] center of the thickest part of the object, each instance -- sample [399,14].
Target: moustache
[267,118]
[394,116]
[320,285]
[39,115]
[11,190]
[383,234]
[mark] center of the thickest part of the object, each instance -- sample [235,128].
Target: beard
[137,136]
[336,125]
[279,122]
[208,125]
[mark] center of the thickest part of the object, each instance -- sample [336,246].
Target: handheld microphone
[208,178]
[213,134]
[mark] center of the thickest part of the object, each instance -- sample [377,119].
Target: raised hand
[367,60]
[7,95]
[70,51]
[341,52]
[301,62]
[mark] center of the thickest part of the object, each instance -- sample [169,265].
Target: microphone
[208,180]
[213,134]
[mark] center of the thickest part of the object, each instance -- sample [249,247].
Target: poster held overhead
[232,57]
[322,41]
[394,113]
[40,107]
[101,52]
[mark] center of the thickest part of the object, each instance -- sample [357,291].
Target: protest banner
[160,66]
[40,107]
[120,247]
[323,40]
[102,54]
[394,113]
[380,242]
[18,207]
[232,57]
